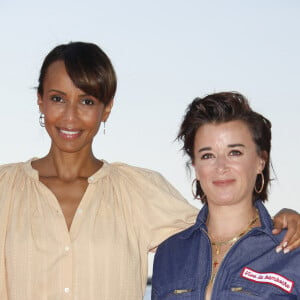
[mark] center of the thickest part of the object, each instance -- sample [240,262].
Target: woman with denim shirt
[230,253]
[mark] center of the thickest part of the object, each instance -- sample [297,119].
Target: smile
[69,134]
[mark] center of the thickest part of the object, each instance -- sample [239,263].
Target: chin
[223,201]
[69,148]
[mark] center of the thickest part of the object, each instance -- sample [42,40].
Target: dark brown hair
[88,66]
[224,107]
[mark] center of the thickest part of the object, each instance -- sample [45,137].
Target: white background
[165,52]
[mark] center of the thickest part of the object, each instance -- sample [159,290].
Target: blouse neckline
[99,174]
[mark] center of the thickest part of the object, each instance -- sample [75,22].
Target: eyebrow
[204,149]
[236,145]
[57,91]
[229,146]
[61,92]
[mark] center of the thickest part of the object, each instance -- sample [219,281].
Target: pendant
[215,264]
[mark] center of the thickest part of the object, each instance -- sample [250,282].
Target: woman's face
[226,162]
[72,118]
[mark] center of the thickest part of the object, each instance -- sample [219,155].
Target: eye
[87,101]
[56,98]
[235,153]
[207,156]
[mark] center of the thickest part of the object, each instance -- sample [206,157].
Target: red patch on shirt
[269,278]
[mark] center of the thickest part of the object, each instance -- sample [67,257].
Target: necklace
[230,242]
[235,238]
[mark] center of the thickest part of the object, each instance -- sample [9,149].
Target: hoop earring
[42,120]
[195,193]
[104,128]
[262,184]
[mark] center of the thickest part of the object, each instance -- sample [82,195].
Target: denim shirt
[251,269]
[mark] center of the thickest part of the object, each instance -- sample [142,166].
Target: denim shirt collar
[265,219]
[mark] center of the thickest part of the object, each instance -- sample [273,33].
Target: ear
[107,110]
[261,166]
[195,171]
[262,161]
[40,102]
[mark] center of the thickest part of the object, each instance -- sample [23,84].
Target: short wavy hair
[220,108]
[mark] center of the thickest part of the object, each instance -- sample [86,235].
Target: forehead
[58,77]
[55,69]
[229,132]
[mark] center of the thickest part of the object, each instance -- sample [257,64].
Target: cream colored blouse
[125,212]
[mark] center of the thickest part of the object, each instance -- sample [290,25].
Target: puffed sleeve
[158,209]
[7,177]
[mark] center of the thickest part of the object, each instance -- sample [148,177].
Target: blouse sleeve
[157,208]
[7,176]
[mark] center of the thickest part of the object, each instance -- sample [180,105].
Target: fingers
[291,240]
[276,230]
[280,222]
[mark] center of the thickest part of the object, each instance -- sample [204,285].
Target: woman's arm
[290,219]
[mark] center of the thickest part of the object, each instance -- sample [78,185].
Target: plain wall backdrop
[165,52]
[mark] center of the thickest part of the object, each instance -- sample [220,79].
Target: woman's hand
[290,219]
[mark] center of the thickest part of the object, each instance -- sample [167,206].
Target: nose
[221,164]
[70,113]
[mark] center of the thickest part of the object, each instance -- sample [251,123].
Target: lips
[223,182]
[69,134]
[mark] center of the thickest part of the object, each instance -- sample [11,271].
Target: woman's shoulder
[10,167]
[125,169]
[11,170]
[138,177]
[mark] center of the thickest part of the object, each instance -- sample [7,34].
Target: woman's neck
[67,166]
[225,222]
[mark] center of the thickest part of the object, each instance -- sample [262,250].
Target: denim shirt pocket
[181,289]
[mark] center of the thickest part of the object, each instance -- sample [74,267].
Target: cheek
[247,171]
[202,173]
[92,120]
[52,113]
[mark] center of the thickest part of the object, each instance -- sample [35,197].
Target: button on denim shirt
[251,269]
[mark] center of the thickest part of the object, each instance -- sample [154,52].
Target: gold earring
[195,193]
[262,184]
